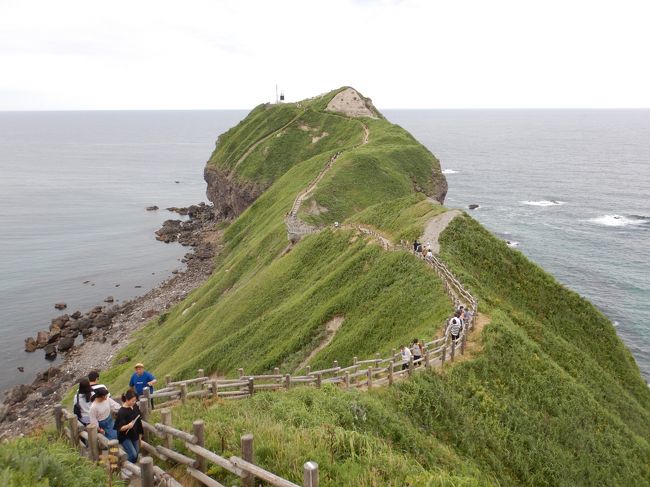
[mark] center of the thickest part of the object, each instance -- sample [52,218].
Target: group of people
[423,250]
[93,404]
[455,325]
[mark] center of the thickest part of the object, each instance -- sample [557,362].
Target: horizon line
[244,109]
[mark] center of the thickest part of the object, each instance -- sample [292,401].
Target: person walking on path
[415,350]
[100,413]
[406,356]
[129,426]
[93,378]
[454,327]
[82,401]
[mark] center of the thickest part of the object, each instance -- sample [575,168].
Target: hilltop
[548,394]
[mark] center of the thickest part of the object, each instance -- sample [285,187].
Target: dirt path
[331,327]
[434,228]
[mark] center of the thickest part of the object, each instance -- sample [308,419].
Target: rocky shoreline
[106,329]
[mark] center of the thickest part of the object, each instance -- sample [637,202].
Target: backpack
[77,408]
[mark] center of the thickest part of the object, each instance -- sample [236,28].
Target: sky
[212,54]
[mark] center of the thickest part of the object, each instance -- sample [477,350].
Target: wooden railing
[192,454]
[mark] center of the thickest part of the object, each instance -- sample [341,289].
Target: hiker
[82,401]
[429,254]
[455,326]
[416,244]
[467,316]
[415,351]
[406,356]
[100,413]
[423,348]
[93,378]
[129,425]
[141,379]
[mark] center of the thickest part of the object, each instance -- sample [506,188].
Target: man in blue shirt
[141,379]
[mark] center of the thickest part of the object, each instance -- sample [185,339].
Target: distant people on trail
[429,254]
[93,378]
[100,413]
[128,425]
[415,350]
[141,379]
[416,245]
[82,401]
[454,327]
[405,353]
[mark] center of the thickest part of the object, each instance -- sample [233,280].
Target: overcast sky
[209,54]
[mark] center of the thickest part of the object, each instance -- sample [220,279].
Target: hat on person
[139,364]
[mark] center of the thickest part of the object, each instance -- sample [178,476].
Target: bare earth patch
[349,102]
[331,327]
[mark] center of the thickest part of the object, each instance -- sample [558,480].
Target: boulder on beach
[152,208]
[30,344]
[60,321]
[60,306]
[50,351]
[76,315]
[102,321]
[55,333]
[42,339]
[109,299]
[65,344]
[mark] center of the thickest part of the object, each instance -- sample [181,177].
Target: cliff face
[229,196]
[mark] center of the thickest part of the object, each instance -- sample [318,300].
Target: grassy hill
[550,396]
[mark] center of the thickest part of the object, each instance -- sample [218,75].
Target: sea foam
[543,203]
[620,220]
[449,171]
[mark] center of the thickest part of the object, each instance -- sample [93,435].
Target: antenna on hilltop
[280,98]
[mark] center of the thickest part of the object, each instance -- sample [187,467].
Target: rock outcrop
[229,196]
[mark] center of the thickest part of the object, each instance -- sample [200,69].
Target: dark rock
[48,391]
[117,285]
[20,393]
[60,321]
[65,344]
[42,338]
[97,309]
[152,208]
[84,323]
[473,206]
[150,313]
[102,339]
[86,332]
[60,306]
[115,342]
[123,360]
[86,282]
[3,412]
[21,369]
[109,299]
[50,351]
[30,344]
[102,321]
[76,315]
[177,182]
[55,333]
[137,287]
[73,325]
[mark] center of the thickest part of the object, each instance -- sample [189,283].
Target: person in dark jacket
[129,426]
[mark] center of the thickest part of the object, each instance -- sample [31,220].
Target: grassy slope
[554,398]
[278,306]
[45,461]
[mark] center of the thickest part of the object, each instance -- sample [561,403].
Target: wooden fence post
[200,373]
[391,366]
[354,360]
[213,384]
[287,381]
[247,454]
[319,378]
[347,379]
[93,446]
[453,349]
[143,404]
[308,370]
[310,476]
[183,393]
[426,360]
[73,423]
[166,418]
[147,394]
[369,374]
[198,428]
[240,371]
[462,342]
[58,419]
[251,387]
[276,371]
[444,351]
[146,472]
[168,379]
[411,365]
[114,457]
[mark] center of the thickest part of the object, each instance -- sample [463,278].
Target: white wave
[449,171]
[512,243]
[617,221]
[543,203]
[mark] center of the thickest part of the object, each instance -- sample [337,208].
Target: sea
[568,188]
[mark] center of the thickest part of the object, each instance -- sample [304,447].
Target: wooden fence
[194,456]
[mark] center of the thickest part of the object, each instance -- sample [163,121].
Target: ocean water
[568,188]
[73,192]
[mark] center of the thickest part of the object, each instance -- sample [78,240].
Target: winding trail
[296,228]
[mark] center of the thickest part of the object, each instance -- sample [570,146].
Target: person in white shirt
[82,402]
[406,356]
[100,413]
[93,377]
[455,326]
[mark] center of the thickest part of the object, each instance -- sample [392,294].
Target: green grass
[45,461]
